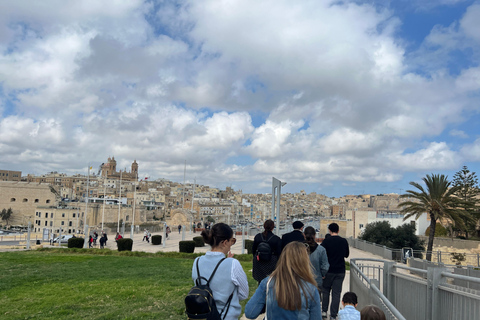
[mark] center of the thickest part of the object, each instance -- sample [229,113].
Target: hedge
[186,246]
[75,242]
[156,239]
[248,246]
[124,244]
[199,242]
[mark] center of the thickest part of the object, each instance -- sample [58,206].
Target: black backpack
[199,302]
[264,251]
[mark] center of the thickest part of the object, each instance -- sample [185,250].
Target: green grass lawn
[97,284]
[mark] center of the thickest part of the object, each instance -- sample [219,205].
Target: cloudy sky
[336,97]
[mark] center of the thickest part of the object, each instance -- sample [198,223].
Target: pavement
[171,244]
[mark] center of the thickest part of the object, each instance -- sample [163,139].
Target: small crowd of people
[295,275]
[92,240]
[146,235]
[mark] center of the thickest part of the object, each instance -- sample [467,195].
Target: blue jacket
[257,302]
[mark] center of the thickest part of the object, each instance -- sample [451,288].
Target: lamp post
[85,242]
[119,204]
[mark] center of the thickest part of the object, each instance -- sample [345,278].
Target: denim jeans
[332,283]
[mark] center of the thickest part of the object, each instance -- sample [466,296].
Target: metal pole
[28,236]
[119,199]
[243,239]
[183,233]
[183,193]
[85,241]
[86,202]
[164,233]
[104,195]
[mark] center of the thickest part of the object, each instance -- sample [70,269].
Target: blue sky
[333,97]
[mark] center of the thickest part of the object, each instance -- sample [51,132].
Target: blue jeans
[332,283]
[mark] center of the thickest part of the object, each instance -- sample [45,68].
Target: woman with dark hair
[229,284]
[264,263]
[372,312]
[318,256]
[291,291]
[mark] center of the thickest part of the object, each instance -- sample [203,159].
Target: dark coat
[295,235]
[262,269]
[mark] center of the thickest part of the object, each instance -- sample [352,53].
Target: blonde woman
[291,291]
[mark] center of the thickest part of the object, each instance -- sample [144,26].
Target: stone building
[109,171]
[7,175]
[23,198]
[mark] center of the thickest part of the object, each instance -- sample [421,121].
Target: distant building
[7,175]
[109,171]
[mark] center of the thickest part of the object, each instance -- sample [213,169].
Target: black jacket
[273,240]
[295,235]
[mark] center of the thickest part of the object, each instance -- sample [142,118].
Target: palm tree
[438,201]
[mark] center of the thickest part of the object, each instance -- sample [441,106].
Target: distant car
[64,238]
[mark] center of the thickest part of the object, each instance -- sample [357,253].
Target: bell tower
[135,169]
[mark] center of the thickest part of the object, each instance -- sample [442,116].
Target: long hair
[268,225]
[310,234]
[217,234]
[291,276]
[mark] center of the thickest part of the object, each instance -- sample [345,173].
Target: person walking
[266,249]
[295,235]
[90,241]
[337,250]
[179,228]
[318,257]
[290,292]
[229,284]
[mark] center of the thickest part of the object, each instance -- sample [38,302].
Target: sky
[332,97]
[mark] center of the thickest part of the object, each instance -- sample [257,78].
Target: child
[349,303]
[372,313]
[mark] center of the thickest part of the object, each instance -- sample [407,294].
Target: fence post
[434,278]
[388,283]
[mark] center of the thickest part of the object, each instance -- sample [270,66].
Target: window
[63,223]
[46,223]
[360,226]
[70,223]
[36,200]
[51,215]
[46,214]
[12,200]
[74,215]
[51,223]
[25,200]
[48,201]
[63,215]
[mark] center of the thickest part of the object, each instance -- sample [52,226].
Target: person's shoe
[333,318]
[324,315]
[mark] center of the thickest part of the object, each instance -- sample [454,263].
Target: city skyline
[332,97]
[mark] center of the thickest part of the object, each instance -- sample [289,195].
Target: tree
[438,200]
[468,191]
[380,232]
[6,214]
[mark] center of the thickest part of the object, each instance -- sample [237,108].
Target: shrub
[156,239]
[187,246]
[199,242]
[248,246]
[124,244]
[75,242]
[440,231]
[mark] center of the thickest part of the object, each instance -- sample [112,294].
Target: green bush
[124,244]
[199,242]
[187,246]
[440,231]
[75,242]
[248,246]
[156,239]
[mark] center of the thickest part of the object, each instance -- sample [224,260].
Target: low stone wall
[450,245]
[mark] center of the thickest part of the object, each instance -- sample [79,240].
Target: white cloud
[458,133]
[436,156]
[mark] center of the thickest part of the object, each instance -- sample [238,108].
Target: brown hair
[217,234]
[268,225]
[372,312]
[293,272]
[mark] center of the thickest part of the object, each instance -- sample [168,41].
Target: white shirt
[239,278]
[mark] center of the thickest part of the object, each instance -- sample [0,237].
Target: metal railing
[411,293]
[439,257]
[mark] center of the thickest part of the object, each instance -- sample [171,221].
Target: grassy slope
[57,284]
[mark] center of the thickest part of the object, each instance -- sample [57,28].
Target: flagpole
[134,201]
[86,210]
[119,199]
[183,194]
